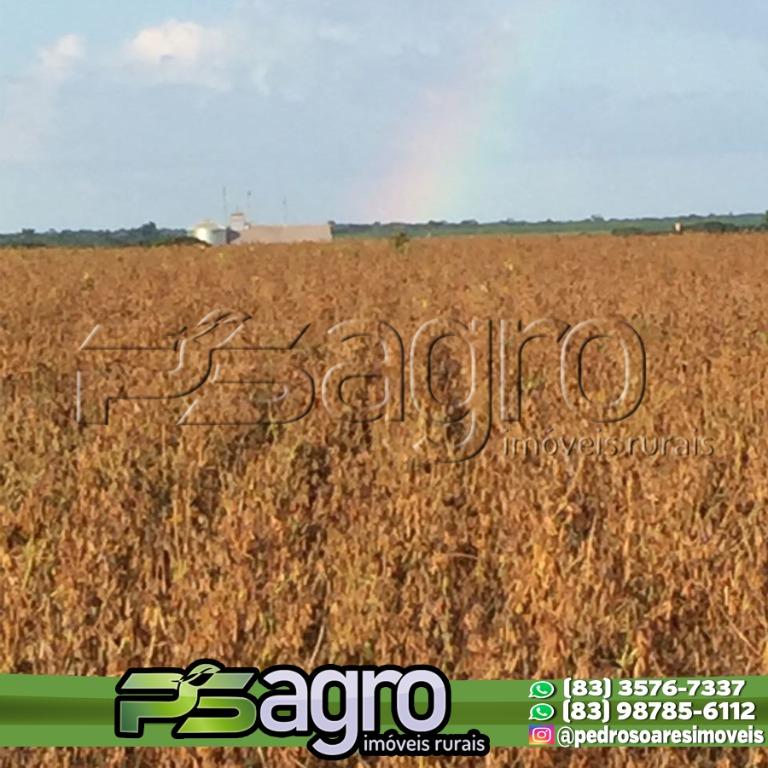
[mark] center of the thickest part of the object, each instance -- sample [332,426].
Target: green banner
[49,711]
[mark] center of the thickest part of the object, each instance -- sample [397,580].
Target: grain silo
[210,232]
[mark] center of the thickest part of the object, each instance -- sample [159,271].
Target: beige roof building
[297,233]
[238,221]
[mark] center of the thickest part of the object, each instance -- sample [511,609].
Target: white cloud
[181,52]
[58,60]
[274,50]
[29,102]
[179,41]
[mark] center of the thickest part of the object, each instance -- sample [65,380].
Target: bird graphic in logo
[196,677]
[214,331]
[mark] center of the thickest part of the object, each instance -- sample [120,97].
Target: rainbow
[439,156]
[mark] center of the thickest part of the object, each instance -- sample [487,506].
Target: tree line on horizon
[150,234]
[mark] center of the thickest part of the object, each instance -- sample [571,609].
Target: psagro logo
[455,378]
[338,708]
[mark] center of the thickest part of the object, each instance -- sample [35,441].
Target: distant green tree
[148,231]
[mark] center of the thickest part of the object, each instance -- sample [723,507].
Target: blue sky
[113,114]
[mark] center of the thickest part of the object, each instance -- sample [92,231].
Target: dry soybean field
[148,543]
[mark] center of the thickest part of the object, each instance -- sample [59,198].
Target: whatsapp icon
[542,712]
[543,689]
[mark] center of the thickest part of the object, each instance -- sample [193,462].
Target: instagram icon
[541,735]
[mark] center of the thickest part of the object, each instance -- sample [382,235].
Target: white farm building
[241,232]
[287,233]
[210,232]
